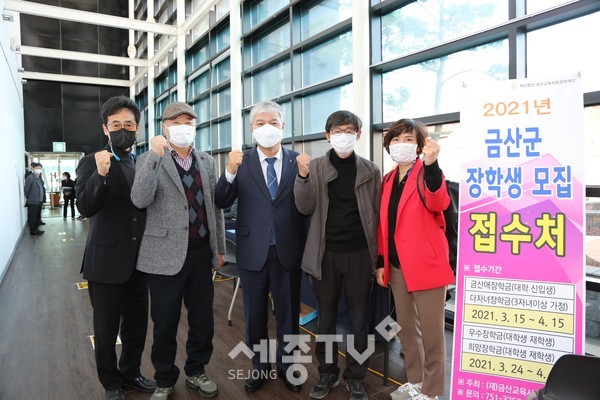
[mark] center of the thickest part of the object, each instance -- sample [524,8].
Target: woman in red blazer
[414,251]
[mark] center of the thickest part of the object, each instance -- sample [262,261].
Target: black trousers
[193,285]
[351,274]
[285,289]
[68,200]
[34,216]
[121,307]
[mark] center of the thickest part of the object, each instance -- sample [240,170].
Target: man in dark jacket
[270,237]
[35,193]
[118,292]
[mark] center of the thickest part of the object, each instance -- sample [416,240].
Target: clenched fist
[158,144]
[103,162]
[303,161]
[235,158]
[431,150]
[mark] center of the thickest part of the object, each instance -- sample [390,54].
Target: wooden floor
[46,321]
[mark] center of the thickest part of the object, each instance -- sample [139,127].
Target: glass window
[426,23]
[287,118]
[433,87]
[272,82]
[224,133]
[534,6]
[328,60]
[203,139]
[570,52]
[199,85]
[269,45]
[202,109]
[223,71]
[172,75]
[317,107]
[222,39]
[196,58]
[591,150]
[263,9]
[319,17]
[223,103]
[316,148]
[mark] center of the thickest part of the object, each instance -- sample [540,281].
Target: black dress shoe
[141,384]
[37,232]
[253,384]
[115,394]
[42,223]
[289,385]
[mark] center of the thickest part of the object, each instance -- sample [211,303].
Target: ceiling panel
[40,31]
[79,37]
[113,42]
[41,64]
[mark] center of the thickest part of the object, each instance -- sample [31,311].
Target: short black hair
[342,117]
[35,164]
[116,104]
[68,175]
[406,125]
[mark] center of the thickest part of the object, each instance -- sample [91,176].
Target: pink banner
[521,276]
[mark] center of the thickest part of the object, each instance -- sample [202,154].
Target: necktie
[272,177]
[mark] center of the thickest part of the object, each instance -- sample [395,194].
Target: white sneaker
[205,386]
[162,393]
[406,392]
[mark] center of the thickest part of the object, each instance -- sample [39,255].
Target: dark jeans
[119,307]
[193,285]
[34,216]
[67,201]
[351,274]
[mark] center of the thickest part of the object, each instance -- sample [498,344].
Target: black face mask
[122,139]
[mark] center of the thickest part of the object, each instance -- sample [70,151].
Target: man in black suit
[118,292]
[270,236]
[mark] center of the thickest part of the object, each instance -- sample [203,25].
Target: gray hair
[267,106]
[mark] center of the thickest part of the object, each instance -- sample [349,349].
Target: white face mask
[37,171]
[267,135]
[181,135]
[403,153]
[343,143]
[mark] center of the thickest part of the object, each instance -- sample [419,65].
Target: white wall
[12,137]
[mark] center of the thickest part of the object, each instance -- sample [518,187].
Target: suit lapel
[287,170]
[169,166]
[409,187]
[255,170]
[385,199]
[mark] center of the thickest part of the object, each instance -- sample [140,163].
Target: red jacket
[420,240]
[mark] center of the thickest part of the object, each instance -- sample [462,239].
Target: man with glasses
[340,192]
[118,292]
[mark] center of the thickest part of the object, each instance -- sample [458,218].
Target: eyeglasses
[115,126]
[346,131]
